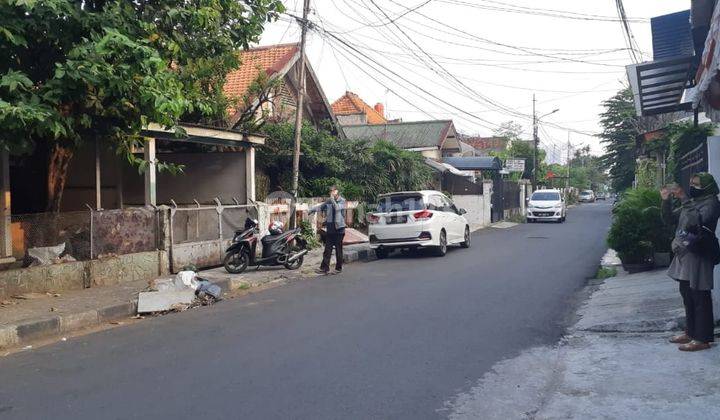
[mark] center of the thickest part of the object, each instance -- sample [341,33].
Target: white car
[587,196]
[417,219]
[546,205]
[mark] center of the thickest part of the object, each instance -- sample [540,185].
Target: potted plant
[637,230]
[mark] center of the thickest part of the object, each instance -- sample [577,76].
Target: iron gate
[506,196]
[693,162]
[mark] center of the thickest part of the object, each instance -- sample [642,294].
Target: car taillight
[373,219]
[423,215]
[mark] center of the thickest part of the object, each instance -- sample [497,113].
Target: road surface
[397,338]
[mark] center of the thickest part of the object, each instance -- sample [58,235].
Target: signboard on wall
[515,165]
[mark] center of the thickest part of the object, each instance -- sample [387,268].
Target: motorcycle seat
[271,239]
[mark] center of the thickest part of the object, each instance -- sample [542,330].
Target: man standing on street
[333,208]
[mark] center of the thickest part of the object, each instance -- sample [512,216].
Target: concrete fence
[132,244]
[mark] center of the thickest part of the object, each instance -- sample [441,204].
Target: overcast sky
[478,62]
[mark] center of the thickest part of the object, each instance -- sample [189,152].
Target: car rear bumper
[424,239]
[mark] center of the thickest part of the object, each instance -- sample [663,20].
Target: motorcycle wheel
[236,262]
[296,263]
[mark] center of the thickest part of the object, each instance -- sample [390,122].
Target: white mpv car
[415,219]
[546,205]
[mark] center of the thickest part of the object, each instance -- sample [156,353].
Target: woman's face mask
[695,191]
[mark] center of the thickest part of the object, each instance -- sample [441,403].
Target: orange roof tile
[350,103]
[271,59]
[485,143]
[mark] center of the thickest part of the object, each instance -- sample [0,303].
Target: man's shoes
[694,345]
[336,271]
[680,339]
[321,272]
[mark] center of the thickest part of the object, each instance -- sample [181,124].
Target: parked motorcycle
[278,248]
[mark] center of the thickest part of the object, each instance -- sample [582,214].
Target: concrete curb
[57,325]
[54,326]
[353,255]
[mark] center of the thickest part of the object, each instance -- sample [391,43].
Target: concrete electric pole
[536,141]
[535,147]
[567,180]
[299,113]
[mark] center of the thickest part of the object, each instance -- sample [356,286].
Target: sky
[479,62]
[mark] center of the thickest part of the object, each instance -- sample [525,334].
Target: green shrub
[637,229]
[306,231]
[606,273]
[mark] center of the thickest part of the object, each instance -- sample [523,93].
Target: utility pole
[535,147]
[567,180]
[299,113]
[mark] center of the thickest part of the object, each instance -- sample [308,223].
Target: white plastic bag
[186,279]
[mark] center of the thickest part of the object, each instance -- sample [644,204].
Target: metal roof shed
[475,163]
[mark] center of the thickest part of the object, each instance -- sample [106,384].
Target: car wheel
[441,250]
[466,242]
[382,253]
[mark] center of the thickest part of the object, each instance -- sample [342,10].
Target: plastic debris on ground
[178,294]
[47,255]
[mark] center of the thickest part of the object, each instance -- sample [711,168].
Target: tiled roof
[350,103]
[270,59]
[486,143]
[407,135]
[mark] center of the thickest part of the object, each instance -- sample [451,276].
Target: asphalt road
[387,339]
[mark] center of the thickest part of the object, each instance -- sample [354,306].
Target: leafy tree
[586,170]
[75,71]
[509,130]
[620,130]
[362,169]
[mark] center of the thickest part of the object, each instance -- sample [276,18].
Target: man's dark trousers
[698,312]
[333,238]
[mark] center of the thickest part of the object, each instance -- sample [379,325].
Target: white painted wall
[477,207]
[714,168]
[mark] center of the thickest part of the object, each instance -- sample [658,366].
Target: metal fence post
[92,231]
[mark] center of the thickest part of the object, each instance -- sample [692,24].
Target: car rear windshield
[545,196]
[400,203]
[586,193]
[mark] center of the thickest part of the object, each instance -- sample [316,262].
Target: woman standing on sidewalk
[693,271]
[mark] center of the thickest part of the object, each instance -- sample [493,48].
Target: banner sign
[515,165]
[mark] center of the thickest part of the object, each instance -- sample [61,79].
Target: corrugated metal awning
[659,85]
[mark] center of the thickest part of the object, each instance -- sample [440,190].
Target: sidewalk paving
[614,363]
[44,316]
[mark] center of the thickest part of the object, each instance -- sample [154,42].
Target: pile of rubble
[186,290]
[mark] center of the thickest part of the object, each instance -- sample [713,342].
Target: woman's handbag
[703,242]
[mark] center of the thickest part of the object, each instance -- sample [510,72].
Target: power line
[365,58]
[627,33]
[527,50]
[506,7]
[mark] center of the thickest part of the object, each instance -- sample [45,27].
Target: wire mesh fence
[207,223]
[84,235]
[70,231]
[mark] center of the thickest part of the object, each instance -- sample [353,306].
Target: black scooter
[287,249]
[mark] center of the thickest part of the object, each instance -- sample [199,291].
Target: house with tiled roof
[433,139]
[486,146]
[350,109]
[280,63]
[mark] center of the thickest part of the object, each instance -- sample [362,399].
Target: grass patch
[516,218]
[244,286]
[606,273]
